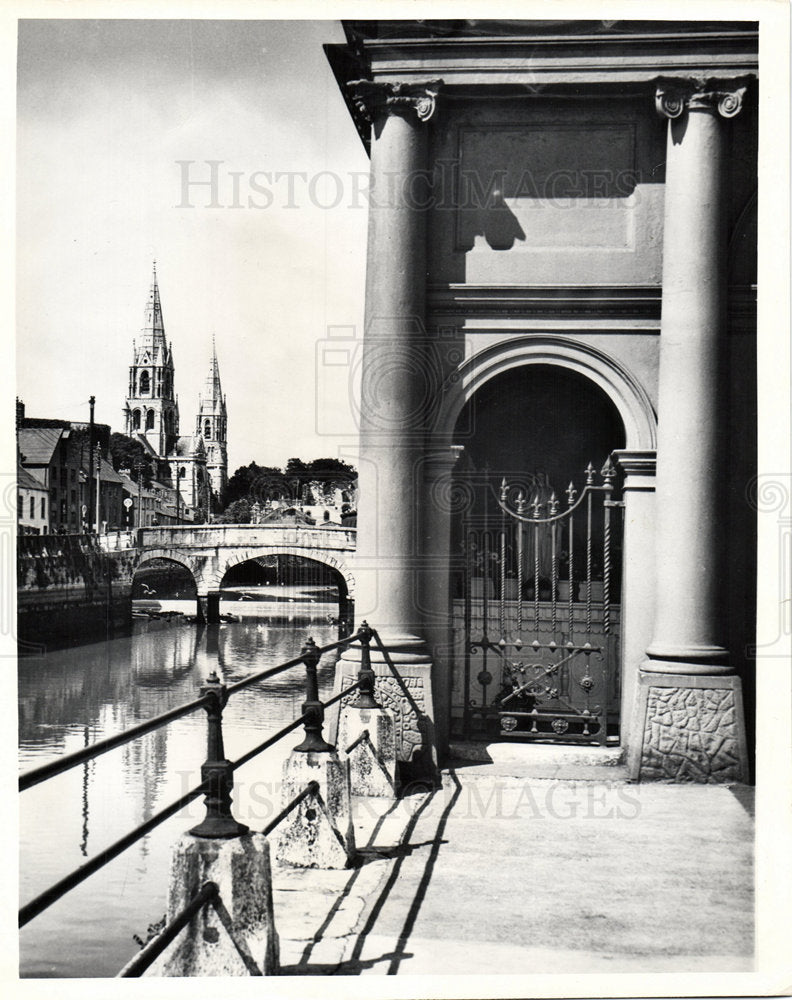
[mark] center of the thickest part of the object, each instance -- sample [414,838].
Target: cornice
[640,302]
[548,59]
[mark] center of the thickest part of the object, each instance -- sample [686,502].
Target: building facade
[32,504]
[558,424]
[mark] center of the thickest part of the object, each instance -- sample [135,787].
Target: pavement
[542,867]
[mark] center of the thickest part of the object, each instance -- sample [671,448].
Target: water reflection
[71,697]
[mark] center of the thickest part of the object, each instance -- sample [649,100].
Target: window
[145,383]
[149,420]
[20,507]
[73,475]
[43,507]
[207,429]
[136,420]
[32,507]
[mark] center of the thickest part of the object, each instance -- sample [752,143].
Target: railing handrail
[45,899]
[35,776]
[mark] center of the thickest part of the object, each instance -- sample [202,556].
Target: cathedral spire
[153,326]
[212,396]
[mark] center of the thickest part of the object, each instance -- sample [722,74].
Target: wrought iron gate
[541,610]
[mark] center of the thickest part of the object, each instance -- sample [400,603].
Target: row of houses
[54,494]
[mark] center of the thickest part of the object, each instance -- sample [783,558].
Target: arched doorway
[536,559]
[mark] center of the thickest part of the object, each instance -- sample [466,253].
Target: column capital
[673,97]
[373,99]
[639,468]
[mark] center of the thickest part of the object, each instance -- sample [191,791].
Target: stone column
[398,392]
[690,701]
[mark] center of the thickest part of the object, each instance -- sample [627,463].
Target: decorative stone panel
[692,729]
[408,696]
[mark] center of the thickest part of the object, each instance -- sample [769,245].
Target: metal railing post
[217,771]
[313,709]
[366,676]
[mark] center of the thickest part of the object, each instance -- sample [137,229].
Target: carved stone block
[692,729]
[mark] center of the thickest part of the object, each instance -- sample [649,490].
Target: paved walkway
[496,872]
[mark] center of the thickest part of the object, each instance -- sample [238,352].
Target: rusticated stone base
[692,729]
[407,696]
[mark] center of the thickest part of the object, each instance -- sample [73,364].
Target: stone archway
[617,382]
[214,577]
[634,406]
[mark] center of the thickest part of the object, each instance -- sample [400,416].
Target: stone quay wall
[69,588]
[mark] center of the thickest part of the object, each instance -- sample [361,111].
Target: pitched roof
[189,445]
[37,444]
[108,474]
[27,482]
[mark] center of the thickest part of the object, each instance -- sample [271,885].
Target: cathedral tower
[152,411]
[211,425]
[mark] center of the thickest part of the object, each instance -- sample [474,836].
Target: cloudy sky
[117,120]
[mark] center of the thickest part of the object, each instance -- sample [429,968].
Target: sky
[117,121]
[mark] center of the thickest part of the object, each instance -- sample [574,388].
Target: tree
[237,513]
[331,472]
[128,454]
[252,482]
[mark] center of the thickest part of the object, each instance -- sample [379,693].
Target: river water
[72,697]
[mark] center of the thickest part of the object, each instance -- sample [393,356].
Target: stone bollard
[319,832]
[234,935]
[367,734]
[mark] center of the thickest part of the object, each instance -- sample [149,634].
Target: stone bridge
[208,551]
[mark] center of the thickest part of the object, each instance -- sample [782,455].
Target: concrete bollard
[368,738]
[240,939]
[319,832]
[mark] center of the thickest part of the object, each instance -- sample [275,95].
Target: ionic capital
[723,97]
[373,99]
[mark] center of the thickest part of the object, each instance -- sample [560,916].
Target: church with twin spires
[197,462]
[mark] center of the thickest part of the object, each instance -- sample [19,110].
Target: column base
[689,727]
[406,693]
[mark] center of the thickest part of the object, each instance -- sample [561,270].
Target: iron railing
[543,667]
[216,772]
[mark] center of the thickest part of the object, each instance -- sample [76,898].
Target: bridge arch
[154,556]
[214,575]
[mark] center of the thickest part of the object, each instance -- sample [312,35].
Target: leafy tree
[252,482]
[331,472]
[127,453]
[237,513]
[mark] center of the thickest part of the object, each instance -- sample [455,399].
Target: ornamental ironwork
[540,587]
